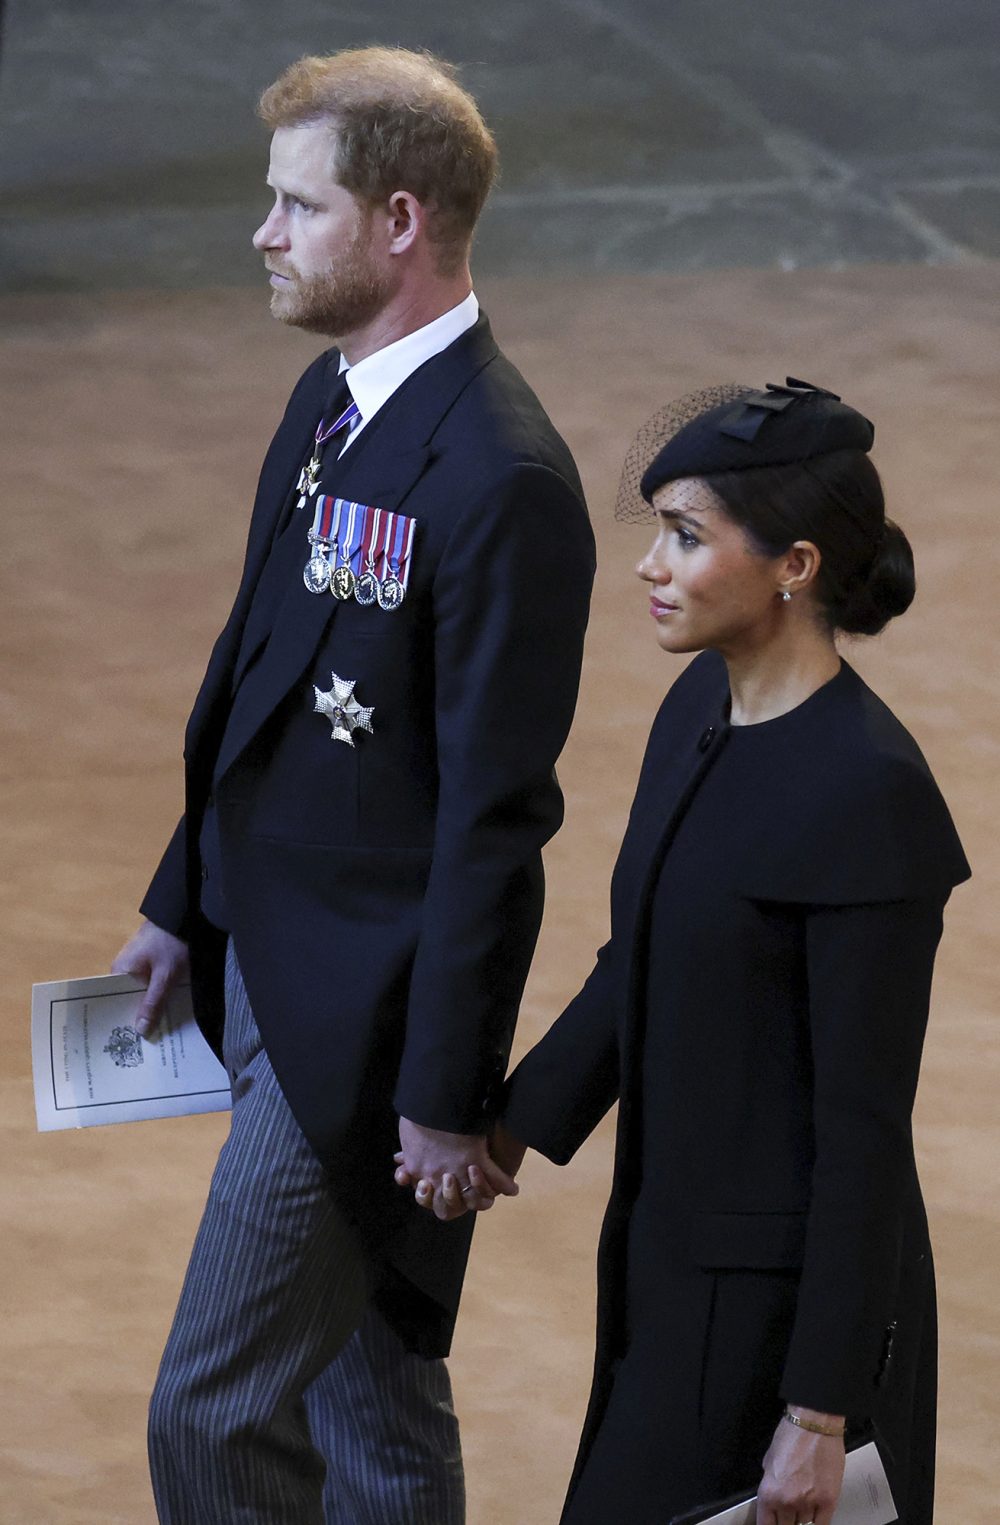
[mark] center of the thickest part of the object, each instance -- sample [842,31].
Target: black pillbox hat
[775,427]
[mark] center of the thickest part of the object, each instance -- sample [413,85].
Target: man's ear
[406,220]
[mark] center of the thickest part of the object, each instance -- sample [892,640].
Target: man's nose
[271,233]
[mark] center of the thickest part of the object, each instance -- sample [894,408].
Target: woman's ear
[799,568]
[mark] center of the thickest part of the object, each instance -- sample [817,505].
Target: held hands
[456,1173]
[160,960]
[803,1473]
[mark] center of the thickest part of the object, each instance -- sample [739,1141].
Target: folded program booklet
[864,1500]
[91,1066]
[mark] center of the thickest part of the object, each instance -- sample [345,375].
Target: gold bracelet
[807,1424]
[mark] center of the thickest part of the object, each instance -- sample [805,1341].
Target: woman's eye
[687,540]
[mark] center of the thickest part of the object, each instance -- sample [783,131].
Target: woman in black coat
[765,1275]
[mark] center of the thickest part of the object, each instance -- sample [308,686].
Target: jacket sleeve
[166,901]
[561,1089]
[512,594]
[869,976]
[567,1083]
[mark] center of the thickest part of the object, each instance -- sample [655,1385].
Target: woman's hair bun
[886,591]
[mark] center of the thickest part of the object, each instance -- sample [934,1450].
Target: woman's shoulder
[870,822]
[841,806]
[870,760]
[879,733]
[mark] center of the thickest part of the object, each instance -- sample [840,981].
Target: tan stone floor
[134,428]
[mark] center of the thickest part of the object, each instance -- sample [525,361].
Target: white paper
[90,1065]
[865,1498]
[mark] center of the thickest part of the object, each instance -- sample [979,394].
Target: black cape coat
[788,1009]
[384,899]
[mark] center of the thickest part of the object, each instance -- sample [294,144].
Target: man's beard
[347,297]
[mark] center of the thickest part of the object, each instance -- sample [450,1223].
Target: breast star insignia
[342,710]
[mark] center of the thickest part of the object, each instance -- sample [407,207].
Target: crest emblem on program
[125,1048]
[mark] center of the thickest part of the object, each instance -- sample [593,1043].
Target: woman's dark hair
[866,573]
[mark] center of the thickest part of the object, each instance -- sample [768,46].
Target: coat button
[706,739]
[204,872]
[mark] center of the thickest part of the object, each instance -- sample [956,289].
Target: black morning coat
[384,899]
[794,1022]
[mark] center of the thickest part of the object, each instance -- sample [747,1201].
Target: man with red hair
[356,882]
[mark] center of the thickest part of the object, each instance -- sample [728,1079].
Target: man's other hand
[454,1173]
[160,960]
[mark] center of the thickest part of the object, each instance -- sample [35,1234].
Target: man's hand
[160,960]
[803,1474]
[453,1171]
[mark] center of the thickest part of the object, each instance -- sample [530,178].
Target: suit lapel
[279,475]
[380,468]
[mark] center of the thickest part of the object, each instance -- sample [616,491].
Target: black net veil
[630,506]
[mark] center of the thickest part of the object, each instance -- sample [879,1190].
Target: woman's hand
[803,1473]
[452,1173]
[451,1199]
[506,1150]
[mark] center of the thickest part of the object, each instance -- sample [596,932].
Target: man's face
[319,242]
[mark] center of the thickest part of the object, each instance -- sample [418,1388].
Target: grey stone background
[638,135]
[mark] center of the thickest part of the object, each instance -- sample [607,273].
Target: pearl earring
[786,597]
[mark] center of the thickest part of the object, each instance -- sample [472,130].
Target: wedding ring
[470,1187]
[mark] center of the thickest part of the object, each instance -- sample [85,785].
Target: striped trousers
[283,1398]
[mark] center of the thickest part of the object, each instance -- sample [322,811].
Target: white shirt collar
[373,380]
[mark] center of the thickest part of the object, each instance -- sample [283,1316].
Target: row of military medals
[328,571]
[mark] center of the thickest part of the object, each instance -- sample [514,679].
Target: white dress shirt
[373,380]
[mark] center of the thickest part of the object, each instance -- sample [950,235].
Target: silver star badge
[342,710]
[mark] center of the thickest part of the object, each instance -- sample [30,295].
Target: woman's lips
[659,610]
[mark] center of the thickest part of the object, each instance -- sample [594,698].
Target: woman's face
[708,588]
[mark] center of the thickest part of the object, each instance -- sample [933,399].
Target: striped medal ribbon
[322,538]
[396,559]
[366,587]
[342,579]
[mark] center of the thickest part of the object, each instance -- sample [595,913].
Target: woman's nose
[652,570]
